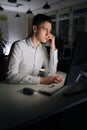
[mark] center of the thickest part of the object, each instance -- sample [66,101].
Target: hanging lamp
[1,8]
[46,6]
[12,1]
[17,15]
[29,12]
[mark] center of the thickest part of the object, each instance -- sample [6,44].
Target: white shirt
[25,61]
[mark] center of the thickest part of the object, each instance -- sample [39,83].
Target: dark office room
[44,88]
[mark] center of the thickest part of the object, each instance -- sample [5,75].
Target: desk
[17,108]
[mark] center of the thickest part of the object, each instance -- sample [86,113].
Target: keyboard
[52,88]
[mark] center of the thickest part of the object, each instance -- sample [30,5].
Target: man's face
[43,31]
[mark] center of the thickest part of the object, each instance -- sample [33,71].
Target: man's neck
[35,42]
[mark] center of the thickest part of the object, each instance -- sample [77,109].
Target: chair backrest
[3,66]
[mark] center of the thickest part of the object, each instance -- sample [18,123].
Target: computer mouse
[28,91]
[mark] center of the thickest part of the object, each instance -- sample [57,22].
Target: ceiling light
[29,12]
[1,8]
[46,6]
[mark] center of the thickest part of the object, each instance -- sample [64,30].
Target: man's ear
[34,28]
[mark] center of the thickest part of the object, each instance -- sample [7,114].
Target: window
[79,21]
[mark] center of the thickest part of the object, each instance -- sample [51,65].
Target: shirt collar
[29,42]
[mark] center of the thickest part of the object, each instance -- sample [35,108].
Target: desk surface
[17,108]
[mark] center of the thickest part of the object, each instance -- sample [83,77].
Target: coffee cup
[43,73]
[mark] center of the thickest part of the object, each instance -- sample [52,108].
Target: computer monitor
[79,58]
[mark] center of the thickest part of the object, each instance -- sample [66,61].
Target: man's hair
[41,18]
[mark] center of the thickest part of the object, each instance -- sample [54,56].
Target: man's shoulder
[19,42]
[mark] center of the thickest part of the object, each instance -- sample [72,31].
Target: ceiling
[36,5]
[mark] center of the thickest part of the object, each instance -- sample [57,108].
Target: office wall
[14,28]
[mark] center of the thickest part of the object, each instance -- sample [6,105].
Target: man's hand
[51,41]
[50,80]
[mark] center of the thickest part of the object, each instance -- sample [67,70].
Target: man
[29,55]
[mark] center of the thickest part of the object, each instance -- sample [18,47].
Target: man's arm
[53,59]
[50,79]
[14,75]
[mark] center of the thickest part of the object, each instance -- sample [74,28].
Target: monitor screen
[79,58]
